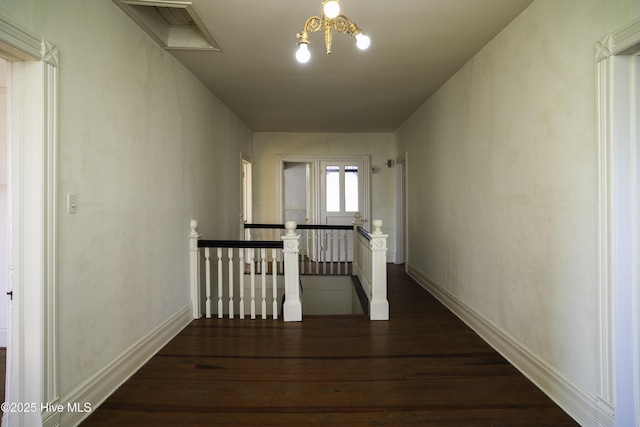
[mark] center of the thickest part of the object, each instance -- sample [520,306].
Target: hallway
[423,367]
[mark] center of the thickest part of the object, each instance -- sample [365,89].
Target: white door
[342,191]
[342,195]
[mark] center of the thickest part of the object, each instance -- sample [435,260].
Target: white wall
[267,146]
[145,147]
[502,183]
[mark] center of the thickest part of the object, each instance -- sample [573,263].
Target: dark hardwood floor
[424,367]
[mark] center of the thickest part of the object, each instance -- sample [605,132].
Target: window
[333,188]
[351,188]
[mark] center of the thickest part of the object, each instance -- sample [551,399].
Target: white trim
[399,257]
[618,227]
[316,159]
[606,375]
[50,188]
[99,387]
[619,42]
[407,182]
[392,257]
[33,93]
[18,44]
[575,401]
[635,274]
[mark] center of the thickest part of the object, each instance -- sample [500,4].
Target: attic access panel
[172,24]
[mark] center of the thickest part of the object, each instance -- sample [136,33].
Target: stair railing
[368,263]
[265,253]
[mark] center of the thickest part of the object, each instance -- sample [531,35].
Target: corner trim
[99,387]
[571,398]
[617,214]
[20,44]
[618,42]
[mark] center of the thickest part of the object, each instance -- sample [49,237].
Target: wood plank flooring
[423,367]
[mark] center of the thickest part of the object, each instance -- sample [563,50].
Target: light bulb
[362,41]
[303,54]
[331,9]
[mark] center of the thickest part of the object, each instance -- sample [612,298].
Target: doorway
[315,191]
[32,112]
[618,108]
[298,192]
[4,224]
[401,209]
[246,208]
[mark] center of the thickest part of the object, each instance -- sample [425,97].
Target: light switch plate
[71,203]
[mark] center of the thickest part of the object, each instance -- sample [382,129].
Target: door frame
[246,187]
[322,180]
[618,139]
[315,184]
[401,210]
[32,356]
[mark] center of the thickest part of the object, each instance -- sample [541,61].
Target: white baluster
[340,240]
[332,237]
[310,250]
[207,266]
[241,281]
[346,251]
[324,252]
[263,264]
[274,267]
[230,254]
[253,283]
[220,310]
[316,245]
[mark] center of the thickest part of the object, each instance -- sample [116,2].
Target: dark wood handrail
[364,233]
[242,244]
[301,226]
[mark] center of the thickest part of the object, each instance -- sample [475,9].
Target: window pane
[351,189]
[333,188]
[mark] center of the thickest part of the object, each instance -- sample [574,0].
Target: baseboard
[391,257]
[3,336]
[605,414]
[571,398]
[96,390]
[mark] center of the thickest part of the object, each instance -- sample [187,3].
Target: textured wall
[267,146]
[502,182]
[146,147]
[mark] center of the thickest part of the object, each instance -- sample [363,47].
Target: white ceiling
[416,46]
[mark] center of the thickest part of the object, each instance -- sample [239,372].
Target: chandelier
[331,20]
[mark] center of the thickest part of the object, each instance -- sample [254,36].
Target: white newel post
[292,308]
[379,309]
[194,253]
[357,222]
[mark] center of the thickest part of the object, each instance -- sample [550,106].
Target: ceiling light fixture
[331,20]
